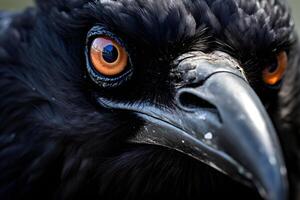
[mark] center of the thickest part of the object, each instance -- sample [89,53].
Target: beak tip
[273,186]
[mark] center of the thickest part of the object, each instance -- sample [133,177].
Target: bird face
[195,97]
[202,78]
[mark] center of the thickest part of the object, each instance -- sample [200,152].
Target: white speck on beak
[208,136]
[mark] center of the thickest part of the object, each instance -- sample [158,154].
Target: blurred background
[19,4]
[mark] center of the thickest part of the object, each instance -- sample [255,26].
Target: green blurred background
[19,4]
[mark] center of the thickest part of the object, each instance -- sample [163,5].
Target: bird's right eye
[108,61]
[107,56]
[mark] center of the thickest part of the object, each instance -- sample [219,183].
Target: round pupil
[273,67]
[110,53]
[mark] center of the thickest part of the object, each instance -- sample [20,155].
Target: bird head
[103,81]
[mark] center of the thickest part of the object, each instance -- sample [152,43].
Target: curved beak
[220,122]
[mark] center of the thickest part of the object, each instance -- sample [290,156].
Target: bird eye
[107,59]
[107,56]
[274,73]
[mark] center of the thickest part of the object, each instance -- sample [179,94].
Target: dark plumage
[57,142]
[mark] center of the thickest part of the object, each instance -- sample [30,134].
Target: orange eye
[108,57]
[274,73]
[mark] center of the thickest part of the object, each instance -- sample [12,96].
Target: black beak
[219,120]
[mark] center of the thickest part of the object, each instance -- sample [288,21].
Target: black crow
[149,99]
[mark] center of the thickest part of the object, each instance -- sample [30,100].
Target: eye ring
[273,74]
[115,72]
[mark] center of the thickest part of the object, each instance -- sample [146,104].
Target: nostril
[189,100]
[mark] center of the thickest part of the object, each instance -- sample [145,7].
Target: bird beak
[219,120]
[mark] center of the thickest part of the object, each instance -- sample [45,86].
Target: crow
[149,99]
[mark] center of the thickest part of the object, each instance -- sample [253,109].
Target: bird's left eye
[274,72]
